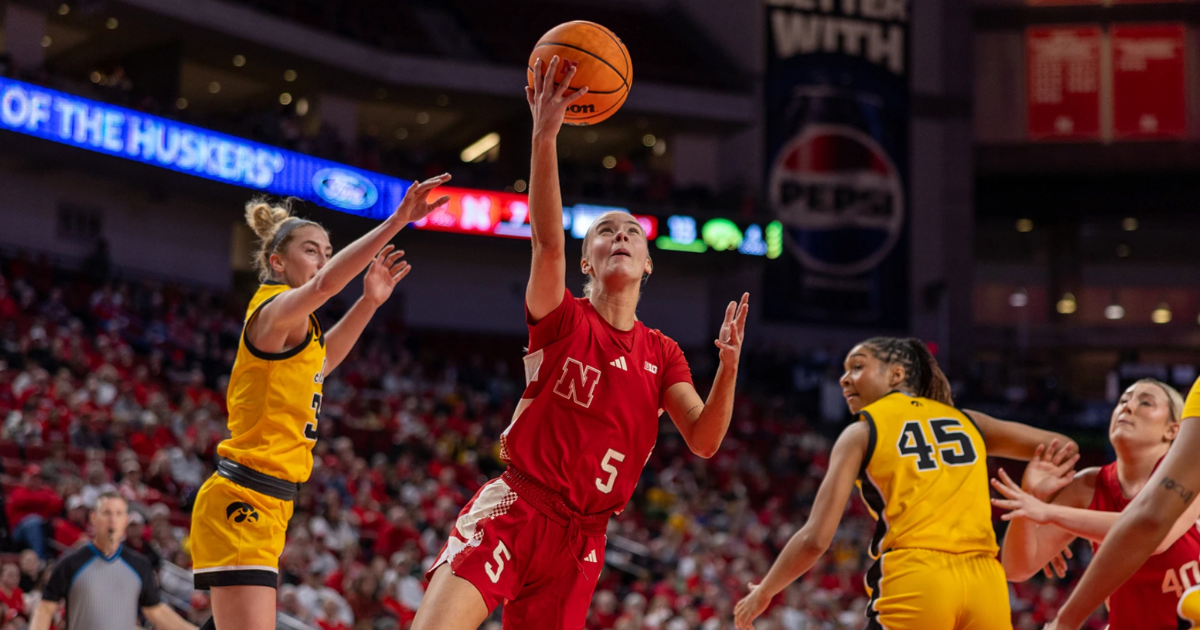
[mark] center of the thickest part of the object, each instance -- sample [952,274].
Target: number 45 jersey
[925,478]
[589,417]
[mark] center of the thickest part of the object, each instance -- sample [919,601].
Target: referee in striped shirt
[103,584]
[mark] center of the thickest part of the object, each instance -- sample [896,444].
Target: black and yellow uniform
[925,480]
[238,532]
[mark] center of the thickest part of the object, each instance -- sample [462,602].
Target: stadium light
[1067,304]
[480,147]
[1162,314]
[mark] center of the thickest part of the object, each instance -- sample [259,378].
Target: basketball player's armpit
[1185,493]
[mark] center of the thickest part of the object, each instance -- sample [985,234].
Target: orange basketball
[601,63]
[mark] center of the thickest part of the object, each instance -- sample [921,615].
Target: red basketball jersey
[1147,601]
[588,419]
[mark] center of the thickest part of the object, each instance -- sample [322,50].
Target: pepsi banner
[837,136]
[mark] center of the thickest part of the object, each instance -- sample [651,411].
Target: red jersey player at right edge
[597,380]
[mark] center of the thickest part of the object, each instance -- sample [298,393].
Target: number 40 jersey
[925,478]
[588,418]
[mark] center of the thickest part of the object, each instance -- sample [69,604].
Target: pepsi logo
[345,189]
[839,197]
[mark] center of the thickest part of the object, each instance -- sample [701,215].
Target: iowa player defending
[596,382]
[1143,426]
[1142,528]
[240,519]
[921,466]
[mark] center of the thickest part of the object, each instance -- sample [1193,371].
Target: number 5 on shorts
[501,550]
[607,486]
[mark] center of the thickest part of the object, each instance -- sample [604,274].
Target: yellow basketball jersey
[925,478]
[1191,407]
[274,399]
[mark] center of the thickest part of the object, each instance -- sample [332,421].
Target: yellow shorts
[237,535]
[1189,609]
[918,589]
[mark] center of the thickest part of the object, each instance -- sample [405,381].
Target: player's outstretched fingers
[548,80]
[565,83]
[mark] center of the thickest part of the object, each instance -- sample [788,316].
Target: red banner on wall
[1149,78]
[1063,82]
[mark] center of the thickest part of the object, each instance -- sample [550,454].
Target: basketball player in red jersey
[597,380]
[1086,504]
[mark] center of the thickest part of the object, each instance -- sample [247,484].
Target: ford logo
[345,189]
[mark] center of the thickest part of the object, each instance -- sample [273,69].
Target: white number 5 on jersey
[606,466]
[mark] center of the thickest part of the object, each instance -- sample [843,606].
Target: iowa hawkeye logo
[241,512]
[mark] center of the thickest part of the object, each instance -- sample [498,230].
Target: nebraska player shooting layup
[596,382]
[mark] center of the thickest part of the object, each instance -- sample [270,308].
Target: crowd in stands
[110,384]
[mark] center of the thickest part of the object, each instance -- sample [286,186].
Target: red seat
[78,456]
[13,467]
[35,453]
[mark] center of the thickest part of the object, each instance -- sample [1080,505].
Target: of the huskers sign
[837,113]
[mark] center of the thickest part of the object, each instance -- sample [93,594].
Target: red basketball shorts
[541,564]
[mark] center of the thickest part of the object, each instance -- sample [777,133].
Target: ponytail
[933,384]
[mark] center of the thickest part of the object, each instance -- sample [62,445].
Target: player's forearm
[341,338]
[1090,524]
[348,263]
[797,557]
[1020,551]
[1013,440]
[710,428]
[545,196]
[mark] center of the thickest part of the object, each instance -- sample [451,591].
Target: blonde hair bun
[264,218]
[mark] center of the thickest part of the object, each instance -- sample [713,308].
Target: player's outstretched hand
[549,103]
[1051,469]
[733,331]
[383,274]
[415,205]
[1020,503]
[747,610]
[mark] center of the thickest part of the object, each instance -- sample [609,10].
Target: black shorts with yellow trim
[237,535]
[921,589]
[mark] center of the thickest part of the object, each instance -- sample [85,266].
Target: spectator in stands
[70,530]
[134,490]
[31,570]
[30,506]
[97,483]
[137,537]
[12,598]
[187,469]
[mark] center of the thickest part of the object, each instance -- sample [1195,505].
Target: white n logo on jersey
[576,380]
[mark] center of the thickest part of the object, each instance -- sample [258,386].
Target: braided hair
[922,376]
